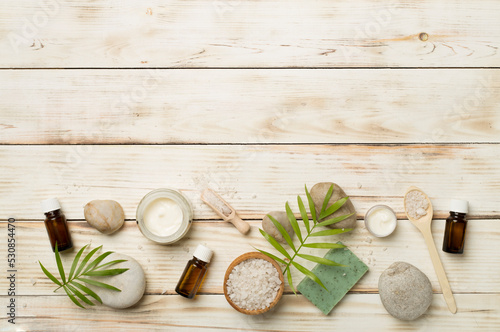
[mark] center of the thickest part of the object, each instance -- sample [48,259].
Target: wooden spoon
[224,210]
[424,226]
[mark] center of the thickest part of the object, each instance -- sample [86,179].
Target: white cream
[380,221]
[163,216]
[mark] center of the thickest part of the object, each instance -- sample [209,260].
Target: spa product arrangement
[82,272]
[311,231]
[254,282]
[419,211]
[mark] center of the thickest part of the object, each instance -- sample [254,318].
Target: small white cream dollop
[380,220]
[163,216]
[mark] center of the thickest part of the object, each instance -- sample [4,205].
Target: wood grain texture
[253,179]
[213,313]
[475,271]
[234,33]
[325,105]
[249,106]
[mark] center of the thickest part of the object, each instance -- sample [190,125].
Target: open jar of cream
[380,220]
[164,215]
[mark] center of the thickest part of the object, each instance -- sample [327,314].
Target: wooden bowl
[244,257]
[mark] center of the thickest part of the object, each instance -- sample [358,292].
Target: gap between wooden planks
[277,33]
[241,106]
[473,272]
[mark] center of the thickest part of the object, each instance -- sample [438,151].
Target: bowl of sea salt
[253,283]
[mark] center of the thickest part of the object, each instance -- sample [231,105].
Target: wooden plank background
[254,99]
[470,273]
[236,33]
[256,179]
[249,106]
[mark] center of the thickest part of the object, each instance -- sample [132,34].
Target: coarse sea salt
[416,204]
[253,284]
[216,202]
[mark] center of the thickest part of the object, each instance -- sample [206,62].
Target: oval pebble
[405,291]
[106,216]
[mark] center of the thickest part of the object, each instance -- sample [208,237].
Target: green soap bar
[337,279]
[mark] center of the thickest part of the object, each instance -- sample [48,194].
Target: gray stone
[405,291]
[104,215]
[132,283]
[318,193]
[269,227]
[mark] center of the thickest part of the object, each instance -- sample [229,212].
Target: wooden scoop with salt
[224,210]
[421,217]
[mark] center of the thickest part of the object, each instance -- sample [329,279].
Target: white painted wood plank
[475,271]
[254,179]
[233,33]
[249,106]
[356,312]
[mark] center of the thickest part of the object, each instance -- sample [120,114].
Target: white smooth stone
[132,283]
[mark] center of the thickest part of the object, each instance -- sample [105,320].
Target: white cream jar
[164,215]
[380,220]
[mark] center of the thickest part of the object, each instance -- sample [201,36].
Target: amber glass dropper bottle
[194,273]
[456,224]
[56,225]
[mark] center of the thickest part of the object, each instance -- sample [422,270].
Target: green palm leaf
[308,274]
[75,261]
[79,295]
[75,301]
[293,221]
[327,199]
[275,244]
[87,290]
[102,273]
[290,282]
[76,291]
[86,259]
[331,232]
[282,231]
[110,263]
[311,230]
[319,260]
[324,245]
[98,284]
[272,256]
[49,275]
[334,220]
[303,214]
[334,207]
[59,265]
[312,208]
[97,261]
